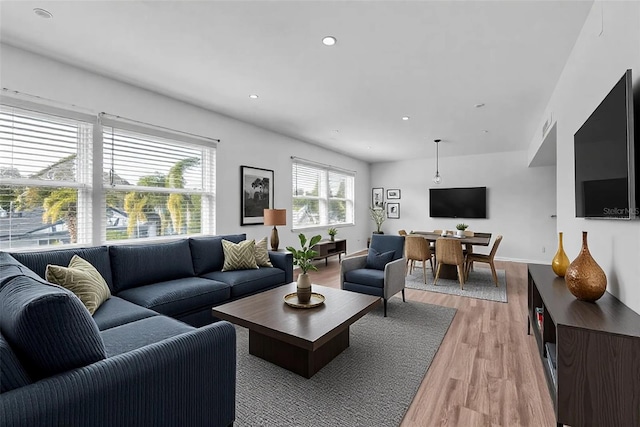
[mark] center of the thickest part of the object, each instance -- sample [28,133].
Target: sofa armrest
[189,379]
[395,274]
[283,261]
[351,263]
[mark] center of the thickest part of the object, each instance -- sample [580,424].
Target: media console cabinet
[328,248]
[590,352]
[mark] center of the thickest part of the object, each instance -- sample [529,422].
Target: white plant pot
[460,233]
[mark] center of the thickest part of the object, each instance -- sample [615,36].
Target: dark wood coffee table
[302,340]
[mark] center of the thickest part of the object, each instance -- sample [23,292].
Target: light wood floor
[487,371]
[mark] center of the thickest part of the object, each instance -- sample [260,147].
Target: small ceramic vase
[560,261]
[584,277]
[303,288]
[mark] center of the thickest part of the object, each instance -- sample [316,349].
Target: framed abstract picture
[393,210]
[377,198]
[256,185]
[393,193]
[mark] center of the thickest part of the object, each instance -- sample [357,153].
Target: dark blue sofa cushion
[207,253]
[175,297]
[366,276]
[385,243]
[117,311]
[131,336]
[245,282]
[139,265]
[47,327]
[379,260]
[363,289]
[10,268]
[12,374]
[98,257]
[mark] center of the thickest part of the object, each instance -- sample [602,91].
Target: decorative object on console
[393,210]
[275,217]
[461,227]
[437,179]
[302,258]
[393,193]
[256,185]
[332,233]
[378,215]
[560,261]
[584,277]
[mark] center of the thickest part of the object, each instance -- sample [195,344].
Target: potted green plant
[332,233]
[461,227]
[378,215]
[302,258]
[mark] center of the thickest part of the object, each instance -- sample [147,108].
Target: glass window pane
[37,216]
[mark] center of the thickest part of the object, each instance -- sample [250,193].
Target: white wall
[608,45]
[520,200]
[242,144]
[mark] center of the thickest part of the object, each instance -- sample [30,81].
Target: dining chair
[417,249]
[487,258]
[449,251]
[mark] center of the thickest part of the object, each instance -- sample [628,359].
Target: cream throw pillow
[262,253]
[83,280]
[239,256]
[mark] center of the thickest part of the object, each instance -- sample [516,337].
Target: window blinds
[322,196]
[156,186]
[45,166]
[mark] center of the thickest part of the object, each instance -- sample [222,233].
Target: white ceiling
[430,60]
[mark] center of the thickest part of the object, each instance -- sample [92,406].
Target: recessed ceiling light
[368,147]
[405,118]
[253,96]
[42,13]
[328,41]
[480,105]
[485,131]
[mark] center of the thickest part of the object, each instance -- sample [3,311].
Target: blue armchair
[380,273]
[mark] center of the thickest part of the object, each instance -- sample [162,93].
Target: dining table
[450,271]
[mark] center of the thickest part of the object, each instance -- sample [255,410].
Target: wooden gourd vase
[303,288]
[584,277]
[560,261]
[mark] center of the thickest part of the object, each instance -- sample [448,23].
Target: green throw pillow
[262,253]
[83,280]
[239,256]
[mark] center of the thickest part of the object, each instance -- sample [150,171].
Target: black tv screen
[604,148]
[470,202]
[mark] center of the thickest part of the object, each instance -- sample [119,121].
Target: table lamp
[275,217]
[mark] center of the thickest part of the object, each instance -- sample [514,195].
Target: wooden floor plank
[486,371]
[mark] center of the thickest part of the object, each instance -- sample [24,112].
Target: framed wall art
[393,193]
[393,210]
[377,198]
[256,185]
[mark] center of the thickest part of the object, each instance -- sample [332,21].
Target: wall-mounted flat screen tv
[469,202]
[605,157]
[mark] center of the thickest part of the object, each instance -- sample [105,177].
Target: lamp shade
[275,217]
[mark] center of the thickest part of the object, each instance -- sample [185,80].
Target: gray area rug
[371,383]
[479,285]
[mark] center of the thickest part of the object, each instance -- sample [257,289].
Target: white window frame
[89,182]
[323,197]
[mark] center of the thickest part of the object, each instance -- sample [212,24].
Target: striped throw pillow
[239,256]
[83,280]
[262,253]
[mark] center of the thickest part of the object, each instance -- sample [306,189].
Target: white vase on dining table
[460,233]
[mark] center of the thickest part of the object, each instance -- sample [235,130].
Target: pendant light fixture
[437,179]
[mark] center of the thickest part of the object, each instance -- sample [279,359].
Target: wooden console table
[328,248]
[590,352]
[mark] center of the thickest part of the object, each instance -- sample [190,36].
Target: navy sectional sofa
[148,356]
